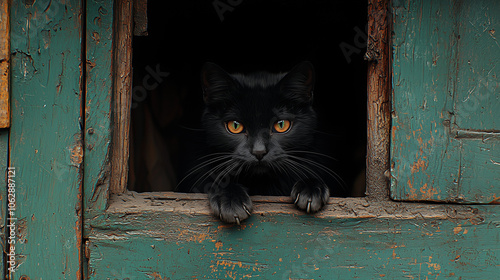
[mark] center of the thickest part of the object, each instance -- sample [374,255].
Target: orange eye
[234,127]
[282,126]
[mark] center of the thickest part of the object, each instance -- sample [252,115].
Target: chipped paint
[76,152]
[444,102]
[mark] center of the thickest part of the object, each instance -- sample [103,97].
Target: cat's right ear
[215,82]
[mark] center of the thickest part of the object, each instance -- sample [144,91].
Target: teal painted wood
[45,137]
[4,199]
[98,98]
[174,244]
[446,101]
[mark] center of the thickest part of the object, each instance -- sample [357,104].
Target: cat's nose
[259,154]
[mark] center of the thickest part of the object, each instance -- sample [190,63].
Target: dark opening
[245,36]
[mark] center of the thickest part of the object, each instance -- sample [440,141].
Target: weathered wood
[98,103]
[4,120]
[4,64]
[122,95]
[446,105]
[379,87]
[178,239]
[197,204]
[45,137]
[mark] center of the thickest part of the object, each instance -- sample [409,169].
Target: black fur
[259,160]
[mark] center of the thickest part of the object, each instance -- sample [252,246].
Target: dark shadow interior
[244,36]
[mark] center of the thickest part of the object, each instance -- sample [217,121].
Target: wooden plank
[4,122]
[122,95]
[98,103]
[4,64]
[379,88]
[442,145]
[352,238]
[45,137]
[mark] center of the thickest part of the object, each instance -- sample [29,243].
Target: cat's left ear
[215,82]
[299,82]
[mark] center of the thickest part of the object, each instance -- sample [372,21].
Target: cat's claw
[246,210]
[231,206]
[297,199]
[310,195]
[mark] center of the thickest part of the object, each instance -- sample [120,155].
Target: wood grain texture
[4,64]
[352,238]
[379,87]
[45,137]
[98,103]
[446,101]
[122,95]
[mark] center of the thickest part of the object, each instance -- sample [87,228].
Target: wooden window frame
[379,88]
[377,200]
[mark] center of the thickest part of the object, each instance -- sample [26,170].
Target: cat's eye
[234,127]
[282,126]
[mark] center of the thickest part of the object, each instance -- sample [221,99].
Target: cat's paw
[310,195]
[231,204]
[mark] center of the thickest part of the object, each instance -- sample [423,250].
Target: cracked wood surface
[173,236]
[446,101]
[45,143]
[378,104]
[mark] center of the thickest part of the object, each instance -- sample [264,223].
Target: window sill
[337,208]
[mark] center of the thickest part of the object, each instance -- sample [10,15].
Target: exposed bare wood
[197,204]
[379,88]
[122,95]
[140,17]
[4,64]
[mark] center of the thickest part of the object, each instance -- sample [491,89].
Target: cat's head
[257,118]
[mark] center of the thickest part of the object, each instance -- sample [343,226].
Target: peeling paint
[76,151]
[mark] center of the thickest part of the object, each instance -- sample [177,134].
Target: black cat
[260,139]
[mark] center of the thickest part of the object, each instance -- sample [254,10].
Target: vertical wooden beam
[379,87]
[122,95]
[4,122]
[4,64]
[45,143]
[98,103]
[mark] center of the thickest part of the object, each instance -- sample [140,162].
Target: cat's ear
[215,82]
[299,82]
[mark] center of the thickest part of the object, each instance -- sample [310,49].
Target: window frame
[379,88]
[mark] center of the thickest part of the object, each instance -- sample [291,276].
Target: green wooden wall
[351,239]
[445,142]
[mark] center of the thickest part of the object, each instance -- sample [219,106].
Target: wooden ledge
[131,203]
